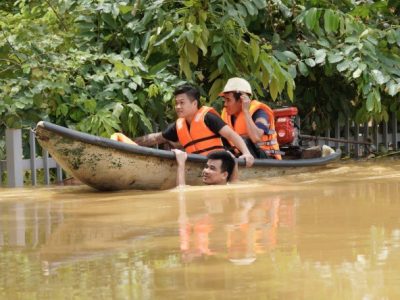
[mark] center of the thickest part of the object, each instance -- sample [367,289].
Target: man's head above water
[219,168]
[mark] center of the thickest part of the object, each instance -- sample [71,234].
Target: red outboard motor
[285,125]
[287,132]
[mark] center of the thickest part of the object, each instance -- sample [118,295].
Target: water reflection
[237,229]
[26,225]
[330,235]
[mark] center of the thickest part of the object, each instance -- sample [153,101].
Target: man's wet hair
[228,162]
[236,95]
[191,91]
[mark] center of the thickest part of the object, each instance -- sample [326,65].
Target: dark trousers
[256,151]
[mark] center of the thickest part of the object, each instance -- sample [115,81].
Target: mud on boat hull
[106,164]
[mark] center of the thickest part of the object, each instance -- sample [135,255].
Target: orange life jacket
[120,137]
[269,142]
[199,138]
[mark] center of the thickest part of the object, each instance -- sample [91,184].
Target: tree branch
[5,70]
[11,61]
[57,14]
[12,48]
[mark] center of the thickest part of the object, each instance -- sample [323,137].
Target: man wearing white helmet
[251,119]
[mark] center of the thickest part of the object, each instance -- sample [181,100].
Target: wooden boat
[105,164]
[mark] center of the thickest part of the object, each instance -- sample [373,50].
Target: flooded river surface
[331,234]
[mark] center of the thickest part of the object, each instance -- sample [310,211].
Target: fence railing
[16,165]
[383,135]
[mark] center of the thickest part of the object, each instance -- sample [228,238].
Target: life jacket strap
[200,140]
[270,131]
[267,143]
[274,152]
[209,149]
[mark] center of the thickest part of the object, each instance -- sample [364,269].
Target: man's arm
[235,173]
[150,139]
[255,133]
[180,171]
[238,142]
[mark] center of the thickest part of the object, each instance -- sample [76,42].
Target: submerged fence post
[46,168]
[394,130]
[14,157]
[376,135]
[59,173]
[337,133]
[32,145]
[385,134]
[328,135]
[356,136]
[366,137]
[347,136]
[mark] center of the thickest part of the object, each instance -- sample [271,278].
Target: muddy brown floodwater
[332,234]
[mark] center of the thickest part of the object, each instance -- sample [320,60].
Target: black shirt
[212,121]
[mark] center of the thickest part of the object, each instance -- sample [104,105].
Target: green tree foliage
[102,66]
[343,55]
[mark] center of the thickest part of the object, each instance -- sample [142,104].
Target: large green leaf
[260,4]
[310,62]
[290,55]
[379,77]
[221,63]
[273,88]
[320,56]
[250,8]
[331,21]
[370,102]
[344,65]
[255,49]
[357,73]
[303,68]
[335,58]
[393,88]
[216,88]
[185,67]
[311,18]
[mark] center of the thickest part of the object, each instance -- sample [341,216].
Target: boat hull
[106,164]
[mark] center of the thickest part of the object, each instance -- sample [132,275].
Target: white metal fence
[382,136]
[16,165]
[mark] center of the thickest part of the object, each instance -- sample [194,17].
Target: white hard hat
[237,84]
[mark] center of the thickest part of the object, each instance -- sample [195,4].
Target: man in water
[220,168]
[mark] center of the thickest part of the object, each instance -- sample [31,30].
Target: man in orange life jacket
[198,130]
[251,119]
